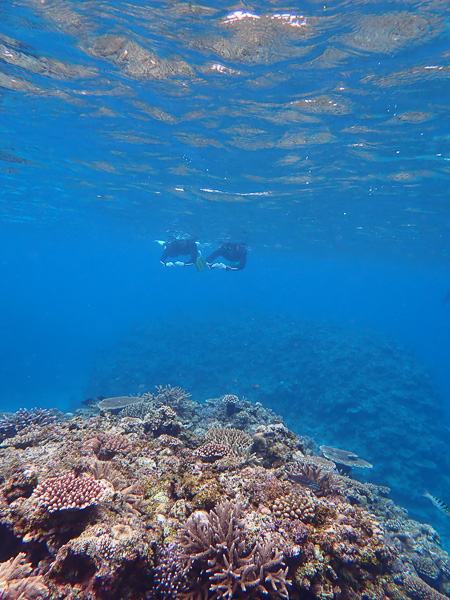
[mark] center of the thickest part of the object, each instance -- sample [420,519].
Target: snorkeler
[235,254]
[182,247]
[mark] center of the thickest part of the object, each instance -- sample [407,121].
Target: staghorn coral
[216,557]
[17,583]
[171,395]
[106,470]
[69,491]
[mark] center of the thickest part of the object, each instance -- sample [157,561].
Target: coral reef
[217,560]
[352,390]
[321,480]
[105,446]
[13,423]
[18,583]
[180,503]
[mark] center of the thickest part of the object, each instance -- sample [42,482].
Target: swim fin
[200,263]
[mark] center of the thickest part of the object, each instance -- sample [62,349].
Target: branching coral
[168,575]
[106,470]
[17,583]
[291,528]
[171,395]
[217,557]
[15,422]
[239,441]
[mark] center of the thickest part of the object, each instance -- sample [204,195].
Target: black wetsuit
[180,248]
[233,253]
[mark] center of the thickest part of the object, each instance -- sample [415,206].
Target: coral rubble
[174,501]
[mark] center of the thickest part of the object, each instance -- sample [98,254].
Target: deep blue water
[316,133]
[67,295]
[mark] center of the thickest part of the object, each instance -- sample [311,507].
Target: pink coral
[69,492]
[17,583]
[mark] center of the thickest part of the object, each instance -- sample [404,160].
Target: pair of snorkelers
[234,254]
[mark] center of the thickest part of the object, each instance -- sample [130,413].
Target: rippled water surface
[317,125]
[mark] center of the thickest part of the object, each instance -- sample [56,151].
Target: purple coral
[15,422]
[218,558]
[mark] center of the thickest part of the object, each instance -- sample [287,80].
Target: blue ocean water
[315,133]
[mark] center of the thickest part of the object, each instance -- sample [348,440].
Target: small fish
[437,503]
[305,481]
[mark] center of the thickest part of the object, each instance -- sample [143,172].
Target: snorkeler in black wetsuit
[236,254]
[179,247]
